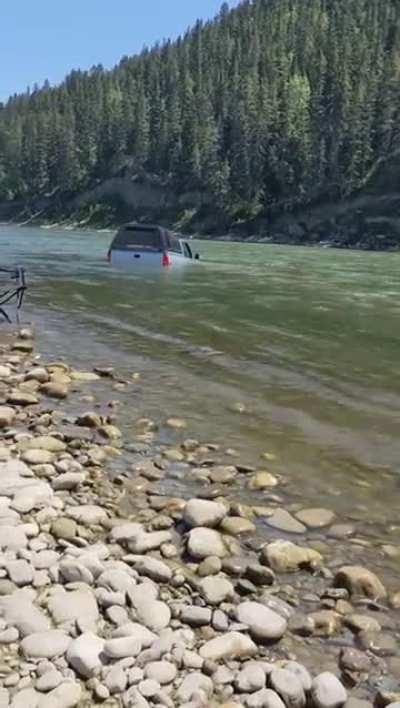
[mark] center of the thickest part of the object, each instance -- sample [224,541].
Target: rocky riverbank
[113,592]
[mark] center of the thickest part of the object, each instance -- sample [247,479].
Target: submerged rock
[315,518]
[263,480]
[237,526]
[282,520]
[360,581]
[54,389]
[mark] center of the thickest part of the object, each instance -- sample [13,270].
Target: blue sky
[47,38]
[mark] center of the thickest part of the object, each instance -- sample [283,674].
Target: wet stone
[262,480]
[223,475]
[235,567]
[278,605]
[260,574]
[362,623]
[326,623]
[315,518]
[354,661]
[360,581]
[237,526]
[283,521]
[287,557]
[341,531]
[302,625]
[380,644]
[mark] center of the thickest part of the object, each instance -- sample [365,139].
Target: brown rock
[287,557]
[64,528]
[315,518]
[362,623]
[7,415]
[354,660]
[54,389]
[326,623]
[263,480]
[237,526]
[283,521]
[22,398]
[360,581]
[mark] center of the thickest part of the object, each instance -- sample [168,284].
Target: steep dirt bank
[368,219]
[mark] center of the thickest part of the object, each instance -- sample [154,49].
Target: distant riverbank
[378,243]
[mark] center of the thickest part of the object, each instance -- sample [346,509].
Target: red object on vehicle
[166,261]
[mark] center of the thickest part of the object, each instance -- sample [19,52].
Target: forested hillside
[272,105]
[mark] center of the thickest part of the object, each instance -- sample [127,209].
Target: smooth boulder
[201,512]
[327,691]
[264,624]
[204,542]
[231,645]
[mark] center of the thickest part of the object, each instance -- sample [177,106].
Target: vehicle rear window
[136,238]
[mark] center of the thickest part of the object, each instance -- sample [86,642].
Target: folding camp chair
[12,289]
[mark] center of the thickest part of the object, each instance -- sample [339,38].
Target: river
[305,340]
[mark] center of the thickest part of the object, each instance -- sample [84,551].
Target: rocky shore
[114,593]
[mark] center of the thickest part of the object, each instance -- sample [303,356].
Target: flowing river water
[304,342]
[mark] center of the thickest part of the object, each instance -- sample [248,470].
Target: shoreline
[114,592]
[223,238]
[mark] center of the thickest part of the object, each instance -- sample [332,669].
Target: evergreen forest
[274,104]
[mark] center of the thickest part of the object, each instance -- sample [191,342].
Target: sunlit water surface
[306,340]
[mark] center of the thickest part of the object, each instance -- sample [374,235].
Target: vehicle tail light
[166,261]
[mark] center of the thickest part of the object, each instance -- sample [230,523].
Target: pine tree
[273,103]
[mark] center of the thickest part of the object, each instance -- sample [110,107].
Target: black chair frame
[14,291]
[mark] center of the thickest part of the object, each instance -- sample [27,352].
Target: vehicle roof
[161,236]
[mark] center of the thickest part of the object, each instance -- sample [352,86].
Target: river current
[285,350]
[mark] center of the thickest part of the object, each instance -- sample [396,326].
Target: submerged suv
[138,245]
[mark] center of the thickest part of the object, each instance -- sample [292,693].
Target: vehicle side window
[174,244]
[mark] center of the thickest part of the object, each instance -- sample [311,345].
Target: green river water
[305,339]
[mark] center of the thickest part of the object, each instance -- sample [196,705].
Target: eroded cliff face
[368,219]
